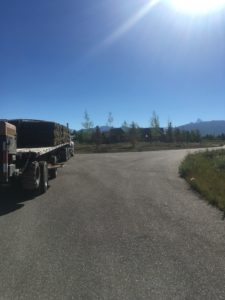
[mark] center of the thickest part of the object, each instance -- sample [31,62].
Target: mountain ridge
[214,127]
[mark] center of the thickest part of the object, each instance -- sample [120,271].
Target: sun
[198,6]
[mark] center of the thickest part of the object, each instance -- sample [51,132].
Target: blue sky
[60,57]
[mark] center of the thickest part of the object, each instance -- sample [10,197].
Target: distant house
[116,135]
[145,134]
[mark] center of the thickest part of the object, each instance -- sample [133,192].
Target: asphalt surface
[112,226]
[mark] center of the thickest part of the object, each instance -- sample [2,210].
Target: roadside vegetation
[205,172]
[132,137]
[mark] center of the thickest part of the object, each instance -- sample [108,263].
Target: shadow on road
[12,198]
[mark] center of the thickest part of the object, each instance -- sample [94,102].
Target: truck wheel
[31,178]
[72,151]
[53,173]
[44,176]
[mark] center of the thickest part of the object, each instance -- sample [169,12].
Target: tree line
[132,133]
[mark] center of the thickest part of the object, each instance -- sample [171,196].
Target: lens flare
[198,6]
[127,25]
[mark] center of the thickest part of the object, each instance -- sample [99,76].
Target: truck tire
[53,173]
[44,177]
[72,151]
[31,177]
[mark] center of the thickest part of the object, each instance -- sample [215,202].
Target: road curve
[112,226]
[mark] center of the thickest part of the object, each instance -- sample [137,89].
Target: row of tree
[133,133]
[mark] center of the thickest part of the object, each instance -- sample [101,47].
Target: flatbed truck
[32,167]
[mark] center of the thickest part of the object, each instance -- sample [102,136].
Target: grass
[140,146]
[205,172]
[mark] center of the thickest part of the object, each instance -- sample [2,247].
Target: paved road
[112,226]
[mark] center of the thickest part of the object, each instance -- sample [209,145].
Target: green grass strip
[205,172]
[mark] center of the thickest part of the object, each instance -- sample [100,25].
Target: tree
[195,136]
[133,134]
[155,127]
[177,135]
[110,120]
[87,124]
[97,137]
[126,127]
[169,132]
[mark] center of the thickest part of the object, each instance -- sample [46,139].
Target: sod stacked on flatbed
[32,133]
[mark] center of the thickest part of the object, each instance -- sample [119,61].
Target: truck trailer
[31,151]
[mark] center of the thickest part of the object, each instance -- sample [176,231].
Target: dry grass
[140,146]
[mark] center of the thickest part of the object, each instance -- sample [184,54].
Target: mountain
[206,127]
[102,129]
[105,128]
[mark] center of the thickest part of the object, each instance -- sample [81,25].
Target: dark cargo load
[32,133]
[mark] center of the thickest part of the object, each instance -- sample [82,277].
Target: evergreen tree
[177,135]
[195,136]
[97,137]
[169,132]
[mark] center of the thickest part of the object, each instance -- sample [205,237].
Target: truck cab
[8,147]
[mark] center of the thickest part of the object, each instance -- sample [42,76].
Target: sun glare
[198,6]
